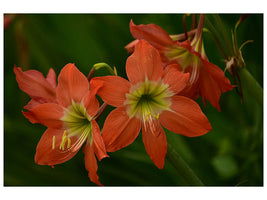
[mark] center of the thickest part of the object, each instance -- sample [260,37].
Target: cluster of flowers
[165,77]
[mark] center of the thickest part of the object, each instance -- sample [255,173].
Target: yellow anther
[152,115]
[63,141]
[69,143]
[54,142]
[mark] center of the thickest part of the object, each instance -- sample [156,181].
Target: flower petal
[130,47]
[52,78]
[113,90]
[91,103]
[46,154]
[185,118]
[119,130]
[31,104]
[91,163]
[218,75]
[31,117]
[34,84]
[99,146]
[209,89]
[156,146]
[72,85]
[144,63]
[174,78]
[48,114]
[152,33]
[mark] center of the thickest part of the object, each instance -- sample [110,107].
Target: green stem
[251,85]
[98,66]
[182,168]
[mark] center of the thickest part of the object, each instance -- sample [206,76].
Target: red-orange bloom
[69,120]
[206,79]
[40,89]
[148,100]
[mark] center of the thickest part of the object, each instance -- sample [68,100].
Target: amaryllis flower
[148,100]
[206,79]
[70,122]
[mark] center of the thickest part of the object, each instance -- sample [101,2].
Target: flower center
[148,99]
[186,60]
[77,125]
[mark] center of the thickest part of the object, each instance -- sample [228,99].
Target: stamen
[69,143]
[150,114]
[64,140]
[54,142]
[150,125]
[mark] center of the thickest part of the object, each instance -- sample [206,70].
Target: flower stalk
[187,174]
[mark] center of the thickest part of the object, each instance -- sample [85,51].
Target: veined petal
[209,89]
[91,163]
[99,146]
[152,33]
[31,104]
[34,84]
[91,103]
[130,47]
[52,78]
[48,152]
[155,145]
[113,90]
[72,85]
[48,114]
[31,117]
[144,63]
[186,118]
[218,75]
[174,78]
[119,130]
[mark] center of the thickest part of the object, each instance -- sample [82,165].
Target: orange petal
[119,130]
[34,84]
[156,146]
[209,89]
[218,75]
[130,47]
[31,117]
[91,163]
[31,104]
[174,78]
[144,63]
[91,103]
[186,118]
[48,114]
[99,146]
[46,154]
[152,33]
[113,89]
[72,85]
[52,78]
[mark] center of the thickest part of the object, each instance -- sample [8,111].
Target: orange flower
[148,100]
[69,120]
[206,79]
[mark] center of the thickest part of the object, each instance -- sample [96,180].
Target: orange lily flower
[206,79]
[148,100]
[70,121]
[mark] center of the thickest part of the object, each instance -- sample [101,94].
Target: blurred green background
[230,155]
